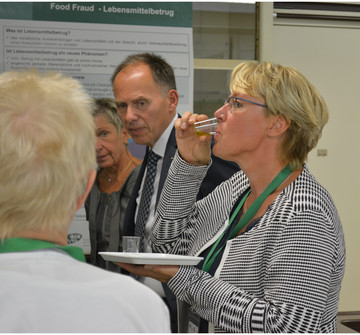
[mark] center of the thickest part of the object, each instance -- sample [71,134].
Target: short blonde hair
[107,109]
[288,93]
[47,150]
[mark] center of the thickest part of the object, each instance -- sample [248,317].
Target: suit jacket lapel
[169,156]
[129,221]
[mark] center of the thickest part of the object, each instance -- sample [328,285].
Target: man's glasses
[235,102]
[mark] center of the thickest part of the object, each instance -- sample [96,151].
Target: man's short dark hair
[162,71]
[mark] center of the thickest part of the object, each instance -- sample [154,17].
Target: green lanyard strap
[248,215]
[18,244]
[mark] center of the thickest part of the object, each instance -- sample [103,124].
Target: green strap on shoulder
[18,244]
[249,214]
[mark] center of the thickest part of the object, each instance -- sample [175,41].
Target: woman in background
[106,204]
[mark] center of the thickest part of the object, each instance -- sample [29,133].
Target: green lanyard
[249,214]
[18,244]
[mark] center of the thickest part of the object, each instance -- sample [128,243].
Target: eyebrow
[140,98]
[119,103]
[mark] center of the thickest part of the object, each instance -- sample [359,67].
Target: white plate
[149,258]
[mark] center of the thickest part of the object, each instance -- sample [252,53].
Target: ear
[278,126]
[82,198]
[173,97]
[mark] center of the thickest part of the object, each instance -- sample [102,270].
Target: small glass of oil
[206,127]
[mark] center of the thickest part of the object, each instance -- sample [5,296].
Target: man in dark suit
[145,92]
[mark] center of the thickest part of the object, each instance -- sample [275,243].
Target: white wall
[330,58]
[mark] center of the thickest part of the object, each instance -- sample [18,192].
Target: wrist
[195,163]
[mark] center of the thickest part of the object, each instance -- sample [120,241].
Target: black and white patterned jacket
[284,275]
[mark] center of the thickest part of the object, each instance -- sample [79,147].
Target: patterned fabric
[284,275]
[148,190]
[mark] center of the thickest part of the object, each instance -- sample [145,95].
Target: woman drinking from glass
[270,236]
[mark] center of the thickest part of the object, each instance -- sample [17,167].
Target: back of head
[47,150]
[161,70]
[288,93]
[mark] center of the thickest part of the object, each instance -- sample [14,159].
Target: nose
[221,113]
[130,114]
[98,145]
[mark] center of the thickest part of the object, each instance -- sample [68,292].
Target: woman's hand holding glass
[193,148]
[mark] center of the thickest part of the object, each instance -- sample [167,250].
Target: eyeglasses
[235,102]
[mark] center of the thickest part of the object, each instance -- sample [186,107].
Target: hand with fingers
[162,273]
[192,148]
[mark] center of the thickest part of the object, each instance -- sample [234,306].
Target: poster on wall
[87,40]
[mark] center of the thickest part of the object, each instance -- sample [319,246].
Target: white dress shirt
[159,148]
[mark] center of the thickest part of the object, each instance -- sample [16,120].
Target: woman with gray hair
[270,237]
[47,168]
[106,204]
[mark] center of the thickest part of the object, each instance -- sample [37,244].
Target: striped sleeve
[283,275]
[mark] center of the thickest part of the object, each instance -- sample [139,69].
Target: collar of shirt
[160,146]
[19,244]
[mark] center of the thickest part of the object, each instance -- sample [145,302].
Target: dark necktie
[148,190]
